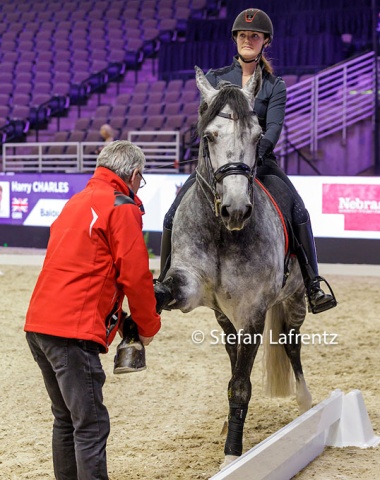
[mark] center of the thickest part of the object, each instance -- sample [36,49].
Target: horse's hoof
[130,357]
[163,295]
[227,460]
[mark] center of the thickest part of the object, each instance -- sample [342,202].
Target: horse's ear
[252,87]
[206,89]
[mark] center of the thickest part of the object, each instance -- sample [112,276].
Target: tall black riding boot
[165,255]
[319,301]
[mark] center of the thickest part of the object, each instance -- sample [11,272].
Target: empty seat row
[155,128]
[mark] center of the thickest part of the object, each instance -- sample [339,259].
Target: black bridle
[217,176]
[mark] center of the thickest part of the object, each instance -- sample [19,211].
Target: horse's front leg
[180,290]
[239,390]
[229,330]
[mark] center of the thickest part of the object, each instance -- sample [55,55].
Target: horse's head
[230,132]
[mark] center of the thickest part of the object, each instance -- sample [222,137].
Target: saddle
[282,199]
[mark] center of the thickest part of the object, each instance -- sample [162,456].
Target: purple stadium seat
[159,86]
[190,108]
[44,55]
[26,55]
[58,149]
[41,88]
[153,109]
[124,99]
[116,24]
[98,121]
[28,33]
[165,13]
[19,112]
[82,123]
[61,47]
[118,111]
[173,122]
[172,109]
[152,123]
[43,77]
[155,97]
[7,89]
[6,76]
[75,136]
[62,15]
[135,122]
[5,99]
[42,66]
[138,99]
[103,111]
[39,98]
[190,96]
[92,136]
[96,25]
[149,23]
[136,110]
[4,110]
[117,123]
[131,22]
[172,96]
[22,88]
[60,88]
[10,56]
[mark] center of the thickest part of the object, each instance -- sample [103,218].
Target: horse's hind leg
[297,312]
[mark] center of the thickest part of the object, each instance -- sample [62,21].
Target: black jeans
[74,379]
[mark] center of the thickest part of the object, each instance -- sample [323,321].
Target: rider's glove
[264,147]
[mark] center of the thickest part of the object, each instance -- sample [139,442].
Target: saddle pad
[277,207]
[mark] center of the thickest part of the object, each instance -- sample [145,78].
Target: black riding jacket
[269,104]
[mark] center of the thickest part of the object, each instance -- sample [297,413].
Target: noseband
[217,176]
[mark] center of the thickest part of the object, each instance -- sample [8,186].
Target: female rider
[252,32]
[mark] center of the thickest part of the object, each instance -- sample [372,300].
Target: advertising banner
[339,207]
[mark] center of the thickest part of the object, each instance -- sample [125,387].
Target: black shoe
[319,301]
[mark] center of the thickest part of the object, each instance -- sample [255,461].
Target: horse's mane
[235,98]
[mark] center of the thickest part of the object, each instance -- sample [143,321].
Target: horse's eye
[209,136]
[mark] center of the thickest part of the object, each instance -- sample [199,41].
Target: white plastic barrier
[339,421]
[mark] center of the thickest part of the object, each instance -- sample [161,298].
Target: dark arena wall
[330,250]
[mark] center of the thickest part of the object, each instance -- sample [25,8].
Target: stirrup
[322,307]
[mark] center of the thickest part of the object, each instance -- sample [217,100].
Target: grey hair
[122,158]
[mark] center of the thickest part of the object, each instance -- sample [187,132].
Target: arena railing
[329,102]
[161,156]
[80,157]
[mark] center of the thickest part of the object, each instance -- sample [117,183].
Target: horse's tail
[277,370]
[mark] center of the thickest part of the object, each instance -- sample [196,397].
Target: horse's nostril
[248,212]
[224,211]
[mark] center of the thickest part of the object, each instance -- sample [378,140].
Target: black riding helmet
[253,20]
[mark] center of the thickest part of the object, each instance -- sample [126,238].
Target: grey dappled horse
[228,251]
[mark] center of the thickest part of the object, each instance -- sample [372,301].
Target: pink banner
[360,205]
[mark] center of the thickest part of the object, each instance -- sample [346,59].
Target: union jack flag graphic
[20,205]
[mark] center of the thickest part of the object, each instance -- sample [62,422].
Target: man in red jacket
[96,256]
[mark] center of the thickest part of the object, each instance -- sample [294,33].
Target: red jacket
[96,254]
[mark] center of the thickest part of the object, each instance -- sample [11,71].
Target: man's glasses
[142,181]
